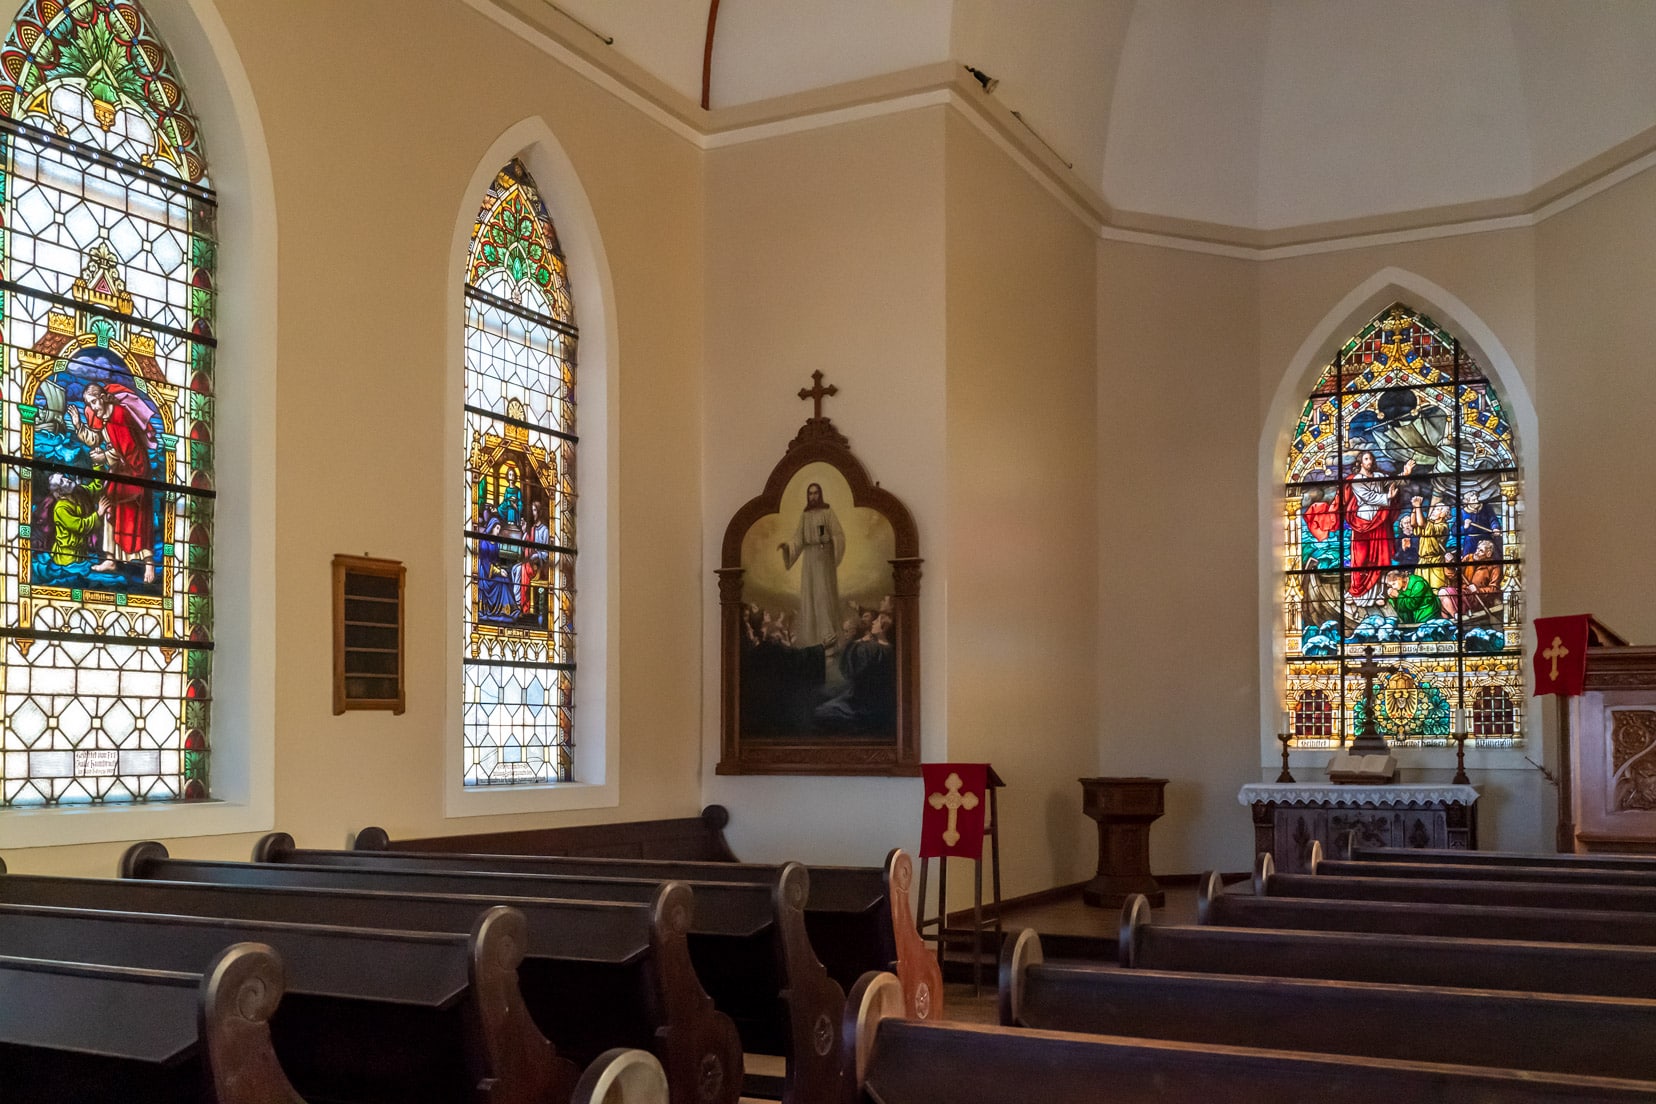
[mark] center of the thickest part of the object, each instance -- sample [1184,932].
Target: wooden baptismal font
[1124,809]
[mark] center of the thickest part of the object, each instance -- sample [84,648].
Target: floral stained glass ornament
[518,678]
[1403,532]
[107,259]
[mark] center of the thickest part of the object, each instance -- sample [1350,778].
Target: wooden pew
[629,963]
[746,941]
[90,1034]
[1460,857]
[1452,891]
[857,918]
[369,1015]
[1587,969]
[1589,1035]
[696,839]
[893,1060]
[1472,872]
[1536,925]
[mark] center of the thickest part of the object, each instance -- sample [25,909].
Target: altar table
[1287,816]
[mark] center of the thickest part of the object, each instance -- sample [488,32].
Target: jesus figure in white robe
[818,545]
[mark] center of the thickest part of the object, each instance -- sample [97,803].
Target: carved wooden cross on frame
[817,392]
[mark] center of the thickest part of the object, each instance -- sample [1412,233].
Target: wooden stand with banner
[1607,742]
[958,817]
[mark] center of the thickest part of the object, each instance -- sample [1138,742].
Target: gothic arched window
[519,651]
[1403,535]
[107,279]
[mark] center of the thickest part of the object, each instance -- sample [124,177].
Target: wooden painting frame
[805,751]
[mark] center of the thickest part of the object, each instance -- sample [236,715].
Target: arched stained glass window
[106,281]
[1403,535]
[519,654]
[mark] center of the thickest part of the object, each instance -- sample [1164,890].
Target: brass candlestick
[1460,778]
[1283,738]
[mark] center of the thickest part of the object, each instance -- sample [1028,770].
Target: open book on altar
[1362,768]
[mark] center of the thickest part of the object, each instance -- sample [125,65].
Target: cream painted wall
[1016,382]
[1487,286]
[1022,465]
[824,251]
[1595,283]
[1178,426]
[372,154]
[1211,353]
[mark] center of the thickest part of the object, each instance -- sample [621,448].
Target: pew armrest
[1208,891]
[1264,870]
[239,994]
[921,976]
[1018,953]
[876,996]
[1135,914]
[622,1076]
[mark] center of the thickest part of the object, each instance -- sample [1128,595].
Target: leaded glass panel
[518,683]
[1403,533]
[106,411]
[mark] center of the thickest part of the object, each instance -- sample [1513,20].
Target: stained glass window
[519,655]
[106,413]
[1403,534]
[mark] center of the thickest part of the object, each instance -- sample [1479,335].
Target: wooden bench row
[83,1030]
[892,1060]
[1202,1012]
[858,918]
[592,975]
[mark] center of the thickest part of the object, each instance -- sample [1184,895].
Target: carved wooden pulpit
[1612,725]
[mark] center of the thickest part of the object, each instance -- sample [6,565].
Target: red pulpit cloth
[951,821]
[1561,654]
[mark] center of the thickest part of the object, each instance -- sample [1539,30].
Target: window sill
[63,825]
[473,801]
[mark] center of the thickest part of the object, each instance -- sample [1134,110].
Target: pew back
[746,940]
[1452,891]
[629,962]
[900,1061]
[369,1016]
[93,1034]
[852,916]
[1238,910]
[1585,1034]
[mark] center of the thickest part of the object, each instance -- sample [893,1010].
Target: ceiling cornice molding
[560,37]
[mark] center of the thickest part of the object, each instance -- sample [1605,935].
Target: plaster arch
[1355,310]
[592,291]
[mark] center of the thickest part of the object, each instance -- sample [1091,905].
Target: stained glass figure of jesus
[818,546]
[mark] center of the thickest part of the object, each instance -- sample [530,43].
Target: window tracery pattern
[1403,533]
[107,259]
[519,657]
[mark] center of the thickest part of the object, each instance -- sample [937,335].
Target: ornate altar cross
[1367,739]
[817,393]
[952,800]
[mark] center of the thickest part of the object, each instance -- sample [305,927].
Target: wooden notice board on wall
[368,634]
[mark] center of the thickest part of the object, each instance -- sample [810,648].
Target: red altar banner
[1561,654]
[951,821]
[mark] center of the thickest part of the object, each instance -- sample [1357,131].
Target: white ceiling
[1260,114]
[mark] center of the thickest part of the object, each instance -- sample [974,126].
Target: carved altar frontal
[1288,816]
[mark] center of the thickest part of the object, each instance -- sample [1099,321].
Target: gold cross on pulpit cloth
[1555,652]
[816,392]
[953,801]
